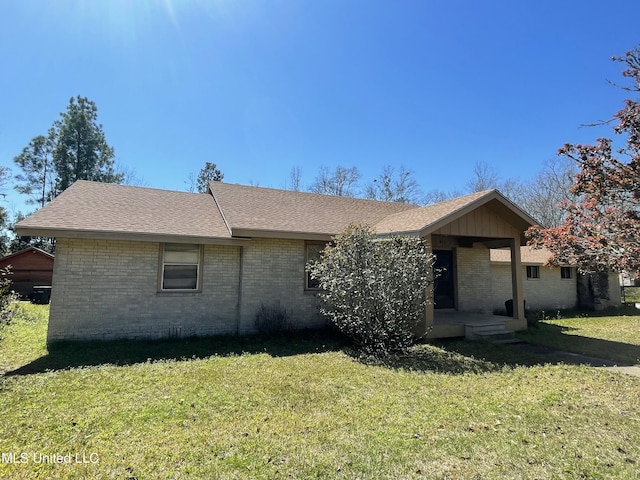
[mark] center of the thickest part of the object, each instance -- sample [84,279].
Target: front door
[443,292]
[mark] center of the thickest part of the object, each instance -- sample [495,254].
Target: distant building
[30,267]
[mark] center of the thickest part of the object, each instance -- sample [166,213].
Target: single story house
[30,267]
[136,262]
[551,288]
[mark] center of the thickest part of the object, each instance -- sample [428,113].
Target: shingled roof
[229,212]
[102,210]
[417,219]
[424,220]
[528,255]
[258,212]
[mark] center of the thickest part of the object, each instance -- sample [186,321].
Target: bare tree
[342,182]
[437,196]
[191,182]
[484,177]
[548,190]
[295,179]
[130,176]
[394,186]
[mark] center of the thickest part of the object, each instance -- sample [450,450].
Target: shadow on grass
[558,314]
[546,335]
[542,344]
[65,355]
[457,356]
[449,356]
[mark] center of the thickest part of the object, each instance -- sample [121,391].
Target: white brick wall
[273,273]
[109,289]
[474,279]
[550,291]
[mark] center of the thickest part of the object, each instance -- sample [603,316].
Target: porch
[452,323]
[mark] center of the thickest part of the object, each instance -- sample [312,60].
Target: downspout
[240,275]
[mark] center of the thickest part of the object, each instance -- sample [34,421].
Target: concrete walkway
[577,359]
[630,370]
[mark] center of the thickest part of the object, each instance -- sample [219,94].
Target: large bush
[373,289]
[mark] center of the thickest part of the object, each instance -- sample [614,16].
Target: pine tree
[81,151]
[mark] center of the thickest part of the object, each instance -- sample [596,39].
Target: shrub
[272,319]
[7,296]
[373,289]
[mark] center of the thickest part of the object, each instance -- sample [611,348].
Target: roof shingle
[419,218]
[118,209]
[528,255]
[100,210]
[253,210]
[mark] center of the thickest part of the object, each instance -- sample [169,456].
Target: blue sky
[259,87]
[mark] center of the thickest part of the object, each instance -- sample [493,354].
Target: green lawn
[611,337]
[631,294]
[304,407]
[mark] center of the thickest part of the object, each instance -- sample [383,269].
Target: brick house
[136,262]
[547,288]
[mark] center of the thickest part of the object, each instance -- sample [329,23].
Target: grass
[631,294]
[306,407]
[610,337]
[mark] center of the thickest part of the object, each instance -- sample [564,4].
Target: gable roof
[267,212]
[228,213]
[424,220]
[24,251]
[102,210]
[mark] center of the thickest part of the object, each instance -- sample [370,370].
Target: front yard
[304,407]
[610,337]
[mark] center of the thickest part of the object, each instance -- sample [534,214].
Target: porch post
[516,279]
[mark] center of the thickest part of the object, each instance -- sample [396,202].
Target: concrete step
[485,326]
[495,335]
[507,341]
[494,332]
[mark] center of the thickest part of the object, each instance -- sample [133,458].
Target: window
[312,253]
[181,266]
[533,271]
[565,273]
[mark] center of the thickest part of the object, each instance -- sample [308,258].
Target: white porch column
[516,280]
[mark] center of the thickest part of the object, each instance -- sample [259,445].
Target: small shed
[30,267]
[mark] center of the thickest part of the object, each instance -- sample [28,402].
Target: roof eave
[128,236]
[404,233]
[283,234]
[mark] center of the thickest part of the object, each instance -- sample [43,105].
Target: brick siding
[273,274]
[474,279]
[106,289]
[550,291]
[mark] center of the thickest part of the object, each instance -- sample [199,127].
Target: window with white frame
[181,264]
[565,273]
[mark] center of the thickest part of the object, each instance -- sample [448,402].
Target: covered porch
[461,233]
[452,323]
[460,299]
[461,238]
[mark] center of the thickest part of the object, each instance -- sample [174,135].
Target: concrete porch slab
[451,323]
